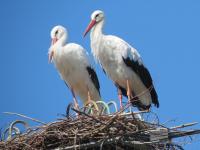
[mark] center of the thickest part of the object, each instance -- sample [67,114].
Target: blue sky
[166,34]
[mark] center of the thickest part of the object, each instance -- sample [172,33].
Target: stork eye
[96,15]
[56,32]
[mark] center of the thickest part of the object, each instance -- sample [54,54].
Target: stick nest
[118,131]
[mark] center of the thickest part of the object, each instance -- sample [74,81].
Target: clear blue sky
[165,33]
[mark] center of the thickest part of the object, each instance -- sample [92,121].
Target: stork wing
[143,73]
[93,77]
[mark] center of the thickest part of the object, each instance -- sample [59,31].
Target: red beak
[51,56]
[92,23]
[53,41]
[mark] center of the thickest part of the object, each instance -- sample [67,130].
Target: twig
[131,113]
[80,112]
[183,133]
[33,119]
[68,110]
[136,144]
[184,125]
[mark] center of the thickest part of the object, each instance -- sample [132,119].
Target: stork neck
[58,46]
[62,41]
[97,31]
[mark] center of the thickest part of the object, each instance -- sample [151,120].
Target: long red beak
[53,41]
[92,23]
[51,56]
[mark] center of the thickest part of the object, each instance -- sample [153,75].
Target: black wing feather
[123,90]
[94,78]
[144,75]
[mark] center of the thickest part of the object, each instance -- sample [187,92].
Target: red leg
[75,101]
[128,90]
[89,97]
[120,97]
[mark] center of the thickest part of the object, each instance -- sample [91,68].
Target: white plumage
[122,63]
[72,63]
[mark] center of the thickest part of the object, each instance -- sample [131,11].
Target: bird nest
[88,131]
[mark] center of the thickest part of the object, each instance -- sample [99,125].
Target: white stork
[123,64]
[73,65]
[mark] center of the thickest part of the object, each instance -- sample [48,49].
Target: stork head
[96,17]
[56,34]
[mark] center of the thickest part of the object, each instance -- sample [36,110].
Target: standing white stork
[73,65]
[123,64]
